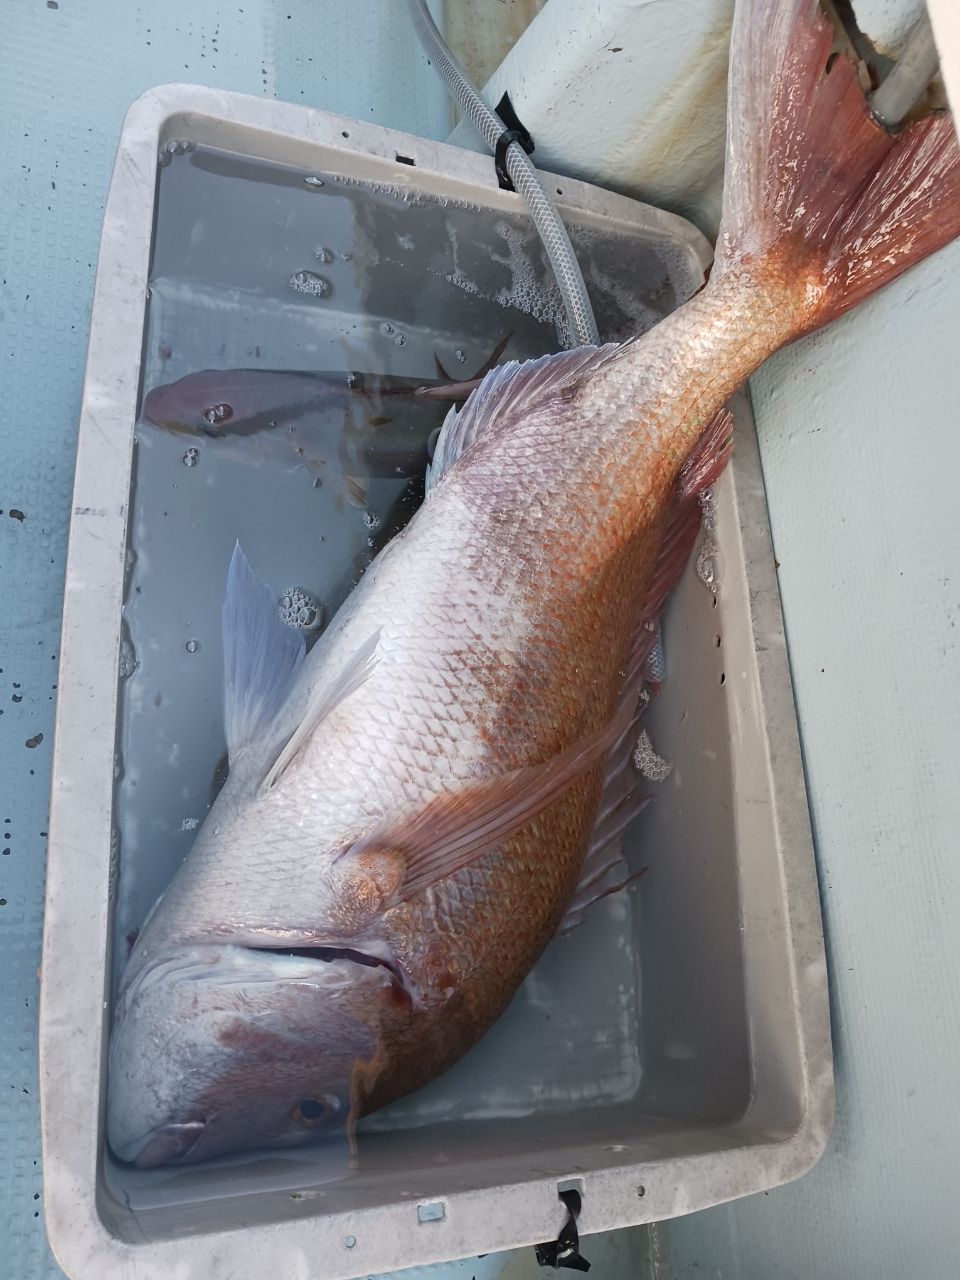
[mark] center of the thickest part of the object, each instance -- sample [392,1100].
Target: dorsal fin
[508,391]
[260,656]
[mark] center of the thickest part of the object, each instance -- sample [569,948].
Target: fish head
[203,403]
[217,1049]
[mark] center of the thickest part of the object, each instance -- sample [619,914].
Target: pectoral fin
[458,827]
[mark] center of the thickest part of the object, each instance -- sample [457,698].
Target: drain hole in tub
[570,1184]
[349,1242]
[723,677]
[641,1191]
[344,133]
[435,1211]
[404,159]
[717,641]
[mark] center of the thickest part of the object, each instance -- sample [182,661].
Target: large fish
[412,810]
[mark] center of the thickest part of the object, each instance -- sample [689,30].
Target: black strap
[514,132]
[565,1250]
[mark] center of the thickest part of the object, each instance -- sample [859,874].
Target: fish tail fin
[821,205]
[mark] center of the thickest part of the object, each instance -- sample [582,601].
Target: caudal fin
[818,198]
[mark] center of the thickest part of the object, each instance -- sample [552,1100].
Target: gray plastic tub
[671,1054]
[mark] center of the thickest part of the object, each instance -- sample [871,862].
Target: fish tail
[821,205]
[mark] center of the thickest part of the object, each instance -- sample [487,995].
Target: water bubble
[400,340]
[649,764]
[310,283]
[128,658]
[311,180]
[175,147]
[371,520]
[709,563]
[214,414]
[707,568]
[191,458]
[300,610]
[323,255]
[345,256]
[386,328]
[192,646]
[461,355]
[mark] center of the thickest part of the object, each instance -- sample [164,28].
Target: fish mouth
[167,1145]
[331,954]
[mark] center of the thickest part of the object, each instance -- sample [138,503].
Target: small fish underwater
[392,429]
[418,805]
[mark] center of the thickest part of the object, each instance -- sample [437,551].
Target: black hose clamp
[565,1250]
[514,132]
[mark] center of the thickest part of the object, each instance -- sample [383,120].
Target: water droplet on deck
[386,328]
[400,339]
[192,646]
[372,520]
[461,355]
[191,458]
[323,255]
[310,283]
[311,180]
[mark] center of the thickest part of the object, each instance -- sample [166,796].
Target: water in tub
[313,284]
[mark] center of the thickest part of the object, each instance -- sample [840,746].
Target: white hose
[908,78]
[581,326]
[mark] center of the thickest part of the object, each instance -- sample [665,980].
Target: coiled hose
[581,325]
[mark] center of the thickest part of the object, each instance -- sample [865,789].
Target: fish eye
[313,1111]
[217,413]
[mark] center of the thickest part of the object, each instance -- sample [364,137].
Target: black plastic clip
[514,132]
[565,1250]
